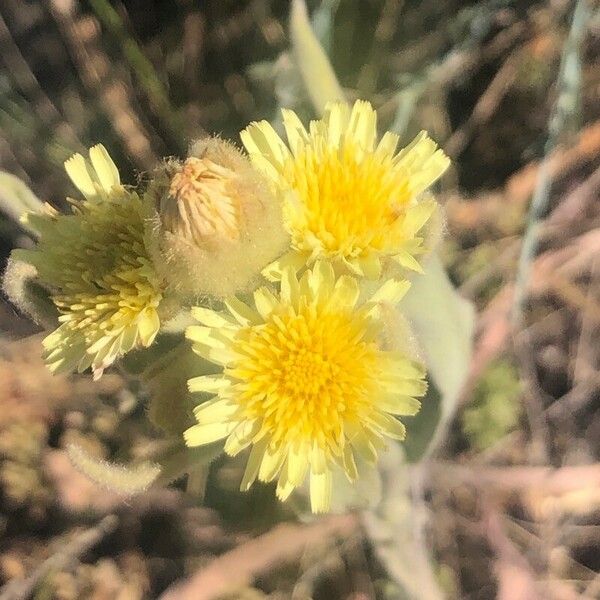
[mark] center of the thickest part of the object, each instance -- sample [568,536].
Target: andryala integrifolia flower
[347,197]
[219,222]
[309,381]
[96,264]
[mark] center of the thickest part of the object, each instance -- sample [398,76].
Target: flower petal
[76,169]
[399,404]
[392,291]
[211,318]
[241,437]
[211,384]
[265,301]
[320,491]
[215,411]
[106,170]
[199,435]
[253,465]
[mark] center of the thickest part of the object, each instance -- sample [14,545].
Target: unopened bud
[220,221]
[202,202]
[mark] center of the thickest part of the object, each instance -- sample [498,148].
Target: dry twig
[63,559]
[240,566]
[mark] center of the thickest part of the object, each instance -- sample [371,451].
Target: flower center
[305,374]
[350,201]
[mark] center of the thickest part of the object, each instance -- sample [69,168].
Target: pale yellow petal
[399,405]
[388,425]
[297,464]
[392,291]
[76,169]
[407,387]
[321,280]
[253,465]
[387,145]
[408,261]
[318,459]
[345,292]
[219,355]
[260,139]
[106,170]
[423,161]
[241,437]
[296,133]
[403,366]
[289,287]
[211,384]
[243,314]
[215,411]
[362,443]
[211,318]
[363,124]
[416,216]
[272,461]
[292,259]
[204,335]
[284,485]
[320,491]
[336,118]
[199,435]
[265,301]
[349,464]
[369,266]
[148,324]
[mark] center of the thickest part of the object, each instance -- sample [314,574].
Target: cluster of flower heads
[303,248]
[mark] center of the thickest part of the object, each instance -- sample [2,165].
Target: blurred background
[511,91]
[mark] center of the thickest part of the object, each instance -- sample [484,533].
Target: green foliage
[443,323]
[495,409]
[317,73]
[123,479]
[170,407]
[16,198]
[21,286]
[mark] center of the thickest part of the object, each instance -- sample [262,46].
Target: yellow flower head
[307,381]
[348,198]
[95,263]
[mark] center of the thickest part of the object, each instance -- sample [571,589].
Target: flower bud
[219,224]
[95,263]
[201,202]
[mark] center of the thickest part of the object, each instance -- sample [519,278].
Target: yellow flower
[96,265]
[347,198]
[307,380]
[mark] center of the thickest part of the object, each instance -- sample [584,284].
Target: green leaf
[407,99]
[16,198]
[180,460]
[139,360]
[19,283]
[317,73]
[443,323]
[395,529]
[127,480]
[323,22]
[168,465]
[171,404]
